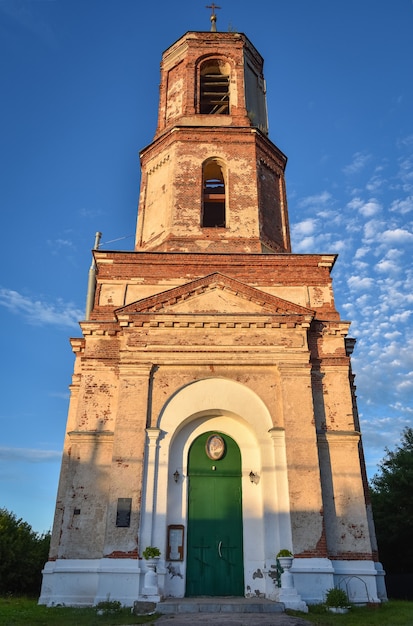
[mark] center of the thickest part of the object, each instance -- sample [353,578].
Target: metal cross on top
[213,6]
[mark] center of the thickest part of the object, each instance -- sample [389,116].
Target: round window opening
[215,447]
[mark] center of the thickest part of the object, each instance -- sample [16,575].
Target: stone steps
[227,605]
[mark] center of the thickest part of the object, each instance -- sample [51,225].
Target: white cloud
[41,313]
[359,161]
[304,228]
[329,214]
[406,172]
[405,385]
[374,184]
[319,199]
[398,406]
[29,455]
[372,230]
[359,282]
[397,235]
[379,434]
[402,206]
[57,245]
[400,317]
[355,203]
[386,265]
[308,244]
[370,208]
[63,395]
[390,262]
[361,252]
[405,141]
[338,246]
[367,209]
[393,335]
[90,213]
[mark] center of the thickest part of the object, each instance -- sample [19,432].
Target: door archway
[215,529]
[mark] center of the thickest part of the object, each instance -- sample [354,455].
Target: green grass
[392,613]
[26,611]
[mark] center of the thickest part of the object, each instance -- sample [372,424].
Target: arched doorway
[215,529]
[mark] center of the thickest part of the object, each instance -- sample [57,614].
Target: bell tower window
[214,94]
[213,200]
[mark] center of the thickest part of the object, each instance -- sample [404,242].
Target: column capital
[277,433]
[339,437]
[153,434]
[135,370]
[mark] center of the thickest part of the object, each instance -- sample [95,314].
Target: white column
[149,495]
[281,480]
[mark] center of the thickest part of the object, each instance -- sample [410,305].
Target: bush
[336,597]
[108,607]
[392,500]
[23,554]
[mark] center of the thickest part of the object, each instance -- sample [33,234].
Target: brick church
[213,411]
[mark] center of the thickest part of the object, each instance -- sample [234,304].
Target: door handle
[219,549]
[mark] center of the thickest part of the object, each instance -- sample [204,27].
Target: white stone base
[312,578]
[86,582]
[291,600]
[381,585]
[363,581]
[358,579]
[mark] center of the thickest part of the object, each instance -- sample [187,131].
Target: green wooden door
[214,543]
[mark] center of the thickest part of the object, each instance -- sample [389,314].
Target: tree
[23,554]
[392,500]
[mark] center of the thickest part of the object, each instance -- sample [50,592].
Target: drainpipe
[91,283]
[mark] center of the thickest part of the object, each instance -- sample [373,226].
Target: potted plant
[284,552]
[151,555]
[151,552]
[337,600]
[285,558]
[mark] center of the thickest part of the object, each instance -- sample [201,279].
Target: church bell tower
[212,410]
[212,181]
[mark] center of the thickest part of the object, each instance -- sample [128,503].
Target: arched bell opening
[214,87]
[213,195]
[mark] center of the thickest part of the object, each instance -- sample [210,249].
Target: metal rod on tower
[91,283]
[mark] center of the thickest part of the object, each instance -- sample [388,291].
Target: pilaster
[347,526]
[126,474]
[302,459]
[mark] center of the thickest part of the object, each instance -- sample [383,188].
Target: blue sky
[79,96]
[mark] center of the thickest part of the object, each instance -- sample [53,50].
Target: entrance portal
[214,545]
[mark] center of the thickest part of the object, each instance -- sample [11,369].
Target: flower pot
[285,562]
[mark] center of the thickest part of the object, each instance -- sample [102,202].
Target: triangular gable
[215,293]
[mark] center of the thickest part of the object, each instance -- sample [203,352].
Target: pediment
[215,294]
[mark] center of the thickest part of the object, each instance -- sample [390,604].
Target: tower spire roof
[213,18]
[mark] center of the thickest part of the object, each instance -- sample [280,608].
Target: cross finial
[213,6]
